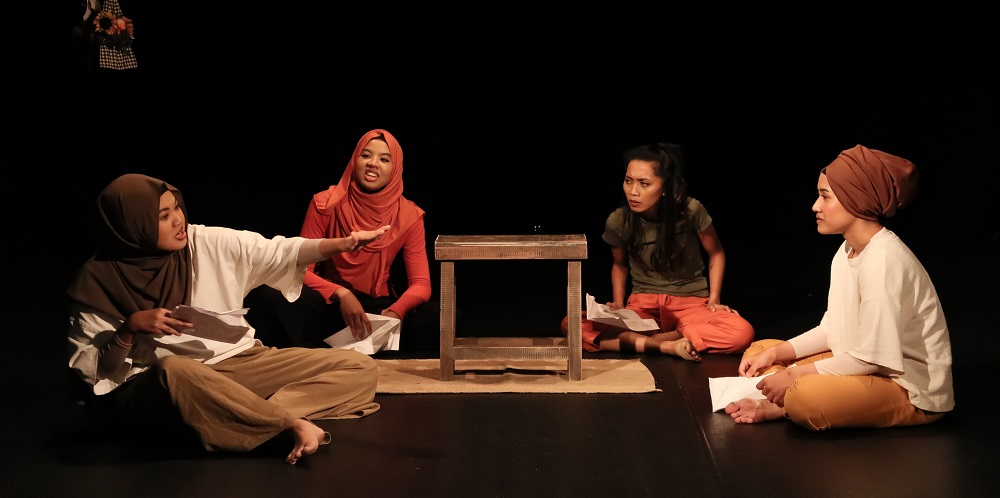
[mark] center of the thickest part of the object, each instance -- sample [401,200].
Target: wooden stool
[451,248]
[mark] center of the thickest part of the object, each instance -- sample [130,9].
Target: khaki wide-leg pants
[242,401]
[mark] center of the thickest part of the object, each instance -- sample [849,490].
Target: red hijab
[352,208]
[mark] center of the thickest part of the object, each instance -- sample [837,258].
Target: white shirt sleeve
[844,364]
[309,252]
[810,342]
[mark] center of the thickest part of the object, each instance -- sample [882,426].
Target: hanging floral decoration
[113,31]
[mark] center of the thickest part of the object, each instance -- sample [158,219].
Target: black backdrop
[513,116]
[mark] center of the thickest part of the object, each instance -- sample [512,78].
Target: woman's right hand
[758,362]
[156,322]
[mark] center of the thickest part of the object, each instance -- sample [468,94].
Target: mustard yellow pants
[240,402]
[820,402]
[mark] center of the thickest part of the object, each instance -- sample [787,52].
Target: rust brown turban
[870,183]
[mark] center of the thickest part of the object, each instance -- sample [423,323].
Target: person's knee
[174,369]
[367,363]
[368,368]
[356,361]
[755,347]
[806,405]
[722,340]
[586,326]
[167,365]
[742,338]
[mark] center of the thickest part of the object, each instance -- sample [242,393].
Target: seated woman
[881,355]
[154,372]
[655,238]
[342,290]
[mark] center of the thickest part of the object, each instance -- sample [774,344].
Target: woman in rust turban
[881,355]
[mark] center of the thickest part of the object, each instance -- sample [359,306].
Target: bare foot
[751,411]
[682,348]
[308,438]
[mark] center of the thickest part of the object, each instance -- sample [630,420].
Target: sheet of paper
[624,318]
[725,390]
[384,336]
[227,326]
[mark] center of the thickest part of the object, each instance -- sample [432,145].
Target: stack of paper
[624,318]
[725,390]
[384,336]
[227,326]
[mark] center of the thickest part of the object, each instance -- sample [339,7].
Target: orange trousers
[820,402]
[709,331]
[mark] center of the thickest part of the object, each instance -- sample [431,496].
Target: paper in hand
[624,318]
[725,390]
[384,336]
[225,327]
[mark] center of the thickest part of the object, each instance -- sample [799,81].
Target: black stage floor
[666,443]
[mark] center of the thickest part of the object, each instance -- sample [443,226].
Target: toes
[687,351]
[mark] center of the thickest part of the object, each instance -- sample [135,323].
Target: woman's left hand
[775,385]
[722,307]
[357,240]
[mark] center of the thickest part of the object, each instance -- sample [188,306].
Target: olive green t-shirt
[688,276]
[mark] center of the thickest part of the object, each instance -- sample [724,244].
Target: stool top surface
[534,246]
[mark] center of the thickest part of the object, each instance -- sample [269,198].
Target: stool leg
[573,310]
[448,320]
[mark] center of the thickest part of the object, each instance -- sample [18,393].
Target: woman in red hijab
[342,291]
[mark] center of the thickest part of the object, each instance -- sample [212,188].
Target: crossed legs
[242,401]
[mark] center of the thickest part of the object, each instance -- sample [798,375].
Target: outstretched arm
[330,247]
[316,226]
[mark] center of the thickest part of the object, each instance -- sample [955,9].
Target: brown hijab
[127,273]
[872,184]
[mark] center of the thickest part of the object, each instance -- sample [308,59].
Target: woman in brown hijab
[148,365]
[881,355]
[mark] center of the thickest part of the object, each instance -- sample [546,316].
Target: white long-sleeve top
[226,264]
[883,309]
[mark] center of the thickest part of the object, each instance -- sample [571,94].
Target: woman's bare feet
[681,347]
[633,342]
[751,411]
[308,438]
